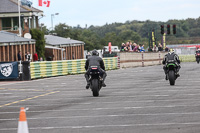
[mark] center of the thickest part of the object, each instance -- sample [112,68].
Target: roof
[56,40]
[182,45]
[11,6]
[7,37]
[51,47]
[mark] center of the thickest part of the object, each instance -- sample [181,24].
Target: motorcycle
[198,57]
[171,71]
[95,81]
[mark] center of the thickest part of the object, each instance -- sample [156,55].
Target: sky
[100,12]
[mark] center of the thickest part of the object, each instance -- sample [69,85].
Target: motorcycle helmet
[171,51]
[95,53]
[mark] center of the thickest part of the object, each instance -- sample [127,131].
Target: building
[59,48]
[9,17]
[11,44]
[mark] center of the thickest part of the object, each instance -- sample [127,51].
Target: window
[11,23]
[15,23]
[6,24]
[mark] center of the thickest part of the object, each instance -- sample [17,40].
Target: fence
[58,68]
[131,59]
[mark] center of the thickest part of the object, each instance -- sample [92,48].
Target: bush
[38,35]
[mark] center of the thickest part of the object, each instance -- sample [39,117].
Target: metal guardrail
[59,68]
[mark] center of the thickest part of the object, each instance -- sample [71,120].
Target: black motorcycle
[95,80]
[171,71]
[198,57]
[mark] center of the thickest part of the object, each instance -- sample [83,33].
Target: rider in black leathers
[95,60]
[197,51]
[171,56]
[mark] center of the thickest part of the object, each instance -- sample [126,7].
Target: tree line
[95,37]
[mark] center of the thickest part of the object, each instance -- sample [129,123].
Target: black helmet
[95,53]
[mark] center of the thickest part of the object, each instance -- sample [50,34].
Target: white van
[113,48]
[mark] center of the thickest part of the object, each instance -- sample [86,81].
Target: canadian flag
[44,2]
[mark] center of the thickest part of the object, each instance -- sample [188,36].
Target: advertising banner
[9,70]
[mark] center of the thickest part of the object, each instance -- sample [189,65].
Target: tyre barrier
[65,67]
[187,58]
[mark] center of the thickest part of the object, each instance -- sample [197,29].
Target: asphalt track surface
[136,100]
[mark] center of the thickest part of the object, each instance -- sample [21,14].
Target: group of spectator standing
[132,47]
[157,49]
[28,56]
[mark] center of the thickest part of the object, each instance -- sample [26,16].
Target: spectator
[127,47]
[142,48]
[160,48]
[130,46]
[155,49]
[88,55]
[41,59]
[122,47]
[28,56]
[135,47]
[166,49]
[139,47]
[35,57]
[19,57]
[150,49]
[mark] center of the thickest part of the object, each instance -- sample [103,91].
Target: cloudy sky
[100,12]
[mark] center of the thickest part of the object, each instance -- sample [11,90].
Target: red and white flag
[44,2]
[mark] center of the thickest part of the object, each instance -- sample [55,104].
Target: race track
[136,100]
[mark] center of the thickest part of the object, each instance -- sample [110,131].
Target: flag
[44,2]
[109,47]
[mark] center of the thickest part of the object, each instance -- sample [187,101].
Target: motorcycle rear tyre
[198,60]
[171,77]
[95,87]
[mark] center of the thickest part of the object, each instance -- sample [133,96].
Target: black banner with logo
[9,70]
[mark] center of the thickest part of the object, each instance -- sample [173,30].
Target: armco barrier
[187,58]
[58,68]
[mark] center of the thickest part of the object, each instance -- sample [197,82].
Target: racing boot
[177,74]
[88,85]
[104,77]
[103,84]
[87,80]
[166,76]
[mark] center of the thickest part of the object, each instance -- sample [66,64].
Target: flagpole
[20,31]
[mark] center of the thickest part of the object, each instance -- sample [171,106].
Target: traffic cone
[22,125]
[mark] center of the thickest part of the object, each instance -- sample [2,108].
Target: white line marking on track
[119,102]
[75,117]
[114,108]
[104,126]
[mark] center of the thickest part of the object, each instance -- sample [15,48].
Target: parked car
[113,49]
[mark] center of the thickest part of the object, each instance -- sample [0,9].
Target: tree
[62,30]
[195,32]
[130,35]
[92,41]
[38,35]
[113,38]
